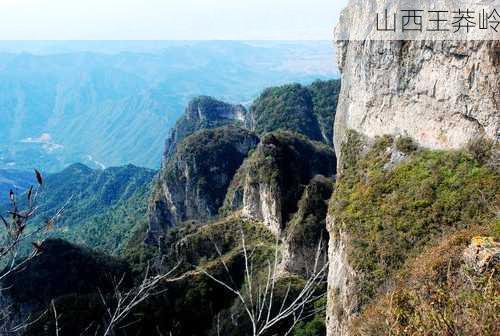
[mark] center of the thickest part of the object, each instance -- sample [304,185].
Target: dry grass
[437,295]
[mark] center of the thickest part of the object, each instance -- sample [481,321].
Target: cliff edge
[440,94]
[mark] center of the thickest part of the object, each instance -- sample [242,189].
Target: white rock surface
[341,301]
[440,93]
[263,202]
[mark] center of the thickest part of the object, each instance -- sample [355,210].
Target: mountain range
[113,107]
[237,216]
[221,165]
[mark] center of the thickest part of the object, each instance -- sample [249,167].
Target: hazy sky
[169,19]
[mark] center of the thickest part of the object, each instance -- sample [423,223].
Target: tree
[260,301]
[18,234]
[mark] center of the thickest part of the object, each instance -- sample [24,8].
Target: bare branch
[126,300]
[258,300]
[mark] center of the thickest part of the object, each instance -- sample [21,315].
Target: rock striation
[271,182]
[442,94]
[193,182]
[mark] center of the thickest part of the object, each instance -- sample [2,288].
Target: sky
[169,19]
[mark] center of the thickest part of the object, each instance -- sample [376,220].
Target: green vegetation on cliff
[203,113]
[307,228]
[286,160]
[308,223]
[436,293]
[197,175]
[307,110]
[394,201]
[391,213]
[285,107]
[196,246]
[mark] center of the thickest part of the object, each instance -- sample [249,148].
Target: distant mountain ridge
[102,208]
[16,180]
[122,105]
[414,232]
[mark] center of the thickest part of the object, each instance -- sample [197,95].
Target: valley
[122,104]
[312,208]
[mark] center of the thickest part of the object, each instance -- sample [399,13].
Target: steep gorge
[224,175]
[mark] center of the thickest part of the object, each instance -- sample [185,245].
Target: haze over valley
[113,103]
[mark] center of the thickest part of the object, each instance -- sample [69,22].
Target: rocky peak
[308,110]
[270,184]
[208,108]
[204,113]
[193,182]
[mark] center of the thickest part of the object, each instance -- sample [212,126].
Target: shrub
[286,107]
[436,294]
[485,151]
[391,215]
[406,144]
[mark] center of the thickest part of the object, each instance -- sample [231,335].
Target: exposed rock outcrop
[270,184]
[306,237]
[341,298]
[204,113]
[193,182]
[483,253]
[442,94]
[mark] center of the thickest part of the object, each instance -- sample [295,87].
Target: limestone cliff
[270,184]
[442,94]
[272,180]
[193,182]
[204,113]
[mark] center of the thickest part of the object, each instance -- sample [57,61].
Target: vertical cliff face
[306,236]
[442,94]
[270,184]
[193,182]
[341,299]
